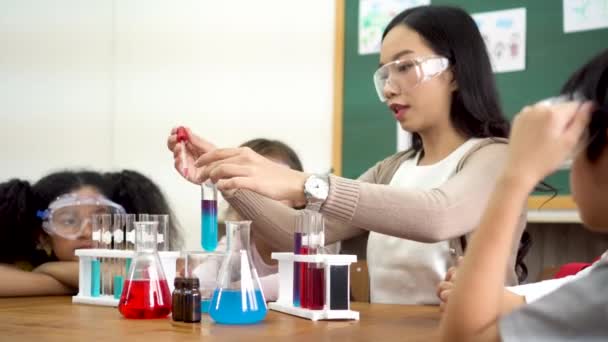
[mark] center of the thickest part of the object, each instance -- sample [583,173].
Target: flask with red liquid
[145,293]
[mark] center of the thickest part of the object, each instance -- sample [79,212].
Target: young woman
[419,205]
[543,136]
[42,224]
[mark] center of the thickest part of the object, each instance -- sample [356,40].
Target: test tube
[118,242]
[106,243]
[297,246]
[129,240]
[143,217]
[209,216]
[95,263]
[316,271]
[182,137]
[306,219]
[96,230]
[119,231]
[163,231]
[130,232]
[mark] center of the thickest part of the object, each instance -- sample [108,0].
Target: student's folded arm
[64,271]
[443,213]
[17,283]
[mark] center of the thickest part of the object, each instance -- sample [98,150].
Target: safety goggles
[69,215]
[406,74]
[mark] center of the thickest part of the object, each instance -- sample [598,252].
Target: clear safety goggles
[69,215]
[406,74]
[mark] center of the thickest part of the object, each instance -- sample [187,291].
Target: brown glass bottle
[177,300]
[191,301]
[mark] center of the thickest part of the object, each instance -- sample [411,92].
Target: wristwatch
[316,190]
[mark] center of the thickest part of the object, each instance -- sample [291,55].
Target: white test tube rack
[337,286]
[85,273]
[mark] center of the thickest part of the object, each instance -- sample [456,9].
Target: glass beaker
[145,293]
[238,299]
[206,267]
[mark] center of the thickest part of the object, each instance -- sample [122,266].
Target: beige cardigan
[355,207]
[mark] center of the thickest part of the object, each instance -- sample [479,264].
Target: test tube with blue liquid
[209,216]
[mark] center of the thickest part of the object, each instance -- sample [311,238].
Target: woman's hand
[195,147]
[242,168]
[446,286]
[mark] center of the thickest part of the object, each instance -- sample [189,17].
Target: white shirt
[404,271]
[535,291]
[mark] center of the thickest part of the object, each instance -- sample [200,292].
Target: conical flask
[238,299]
[145,293]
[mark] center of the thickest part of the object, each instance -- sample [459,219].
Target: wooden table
[57,319]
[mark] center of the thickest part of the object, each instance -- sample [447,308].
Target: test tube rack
[337,286]
[87,257]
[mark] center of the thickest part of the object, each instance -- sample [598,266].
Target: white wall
[54,72]
[231,70]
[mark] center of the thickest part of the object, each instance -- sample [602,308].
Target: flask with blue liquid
[238,299]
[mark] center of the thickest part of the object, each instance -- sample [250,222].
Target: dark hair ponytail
[19,226]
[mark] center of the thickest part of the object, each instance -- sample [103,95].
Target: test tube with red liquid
[315,276]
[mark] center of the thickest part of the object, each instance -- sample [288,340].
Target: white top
[404,271]
[535,291]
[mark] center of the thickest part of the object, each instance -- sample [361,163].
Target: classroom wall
[114,76]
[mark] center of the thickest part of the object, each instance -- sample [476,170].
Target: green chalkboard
[369,130]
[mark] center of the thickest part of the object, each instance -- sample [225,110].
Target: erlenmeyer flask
[238,298]
[145,293]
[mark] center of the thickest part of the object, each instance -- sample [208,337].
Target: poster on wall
[584,15]
[374,15]
[504,33]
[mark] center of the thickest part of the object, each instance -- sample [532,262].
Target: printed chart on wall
[504,33]
[374,15]
[584,15]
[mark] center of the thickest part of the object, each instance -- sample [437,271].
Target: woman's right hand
[195,148]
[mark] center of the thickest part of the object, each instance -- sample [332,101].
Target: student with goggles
[418,206]
[42,224]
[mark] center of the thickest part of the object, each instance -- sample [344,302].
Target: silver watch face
[317,188]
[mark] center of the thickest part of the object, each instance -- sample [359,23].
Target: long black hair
[591,81]
[452,33]
[20,227]
[475,108]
